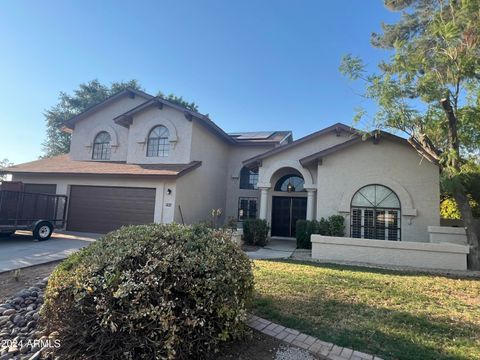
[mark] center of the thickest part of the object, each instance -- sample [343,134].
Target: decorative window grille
[375,214]
[247,208]
[248,178]
[101,146]
[158,144]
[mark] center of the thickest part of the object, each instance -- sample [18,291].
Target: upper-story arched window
[101,146]
[375,214]
[290,183]
[158,144]
[248,178]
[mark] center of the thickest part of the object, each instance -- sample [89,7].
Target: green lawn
[392,314]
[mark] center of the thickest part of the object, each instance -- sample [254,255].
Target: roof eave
[338,127]
[192,166]
[70,123]
[126,118]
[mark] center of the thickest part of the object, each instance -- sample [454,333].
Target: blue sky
[251,65]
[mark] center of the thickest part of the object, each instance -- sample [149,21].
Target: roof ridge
[334,127]
[71,121]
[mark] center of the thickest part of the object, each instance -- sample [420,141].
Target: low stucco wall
[447,234]
[398,253]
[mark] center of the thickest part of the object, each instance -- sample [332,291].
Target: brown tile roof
[63,165]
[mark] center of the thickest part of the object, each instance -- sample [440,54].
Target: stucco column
[263,202]
[310,203]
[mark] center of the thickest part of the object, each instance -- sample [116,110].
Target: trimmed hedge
[150,291]
[255,232]
[333,226]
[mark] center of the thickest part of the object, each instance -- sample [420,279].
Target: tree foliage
[3,164]
[471,180]
[85,96]
[429,88]
[179,101]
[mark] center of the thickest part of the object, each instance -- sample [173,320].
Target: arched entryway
[289,203]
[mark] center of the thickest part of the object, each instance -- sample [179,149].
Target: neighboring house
[136,159]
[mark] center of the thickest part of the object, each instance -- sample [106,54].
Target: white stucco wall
[380,252]
[164,213]
[203,189]
[102,120]
[397,166]
[291,157]
[180,136]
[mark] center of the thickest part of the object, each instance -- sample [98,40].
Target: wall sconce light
[169,191]
[290,187]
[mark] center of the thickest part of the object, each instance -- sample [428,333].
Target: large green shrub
[333,226]
[255,232]
[150,292]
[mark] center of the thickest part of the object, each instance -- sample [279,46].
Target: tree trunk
[458,189]
[468,220]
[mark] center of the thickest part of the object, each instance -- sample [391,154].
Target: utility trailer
[37,212]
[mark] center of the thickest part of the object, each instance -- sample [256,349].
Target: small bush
[255,232]
[150,292]
[336,226]
[304,229]
[333,226]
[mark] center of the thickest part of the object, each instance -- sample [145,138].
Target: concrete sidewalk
[275,249]
[20,250]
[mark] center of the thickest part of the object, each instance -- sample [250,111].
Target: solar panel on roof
[258,135]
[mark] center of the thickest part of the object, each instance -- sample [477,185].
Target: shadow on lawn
[399,335]
[389,333]
[366,269]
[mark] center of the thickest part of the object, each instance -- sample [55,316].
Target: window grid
[248,178]
[295,181]
[158,144]
[247,208]
[101,146]
[372,218]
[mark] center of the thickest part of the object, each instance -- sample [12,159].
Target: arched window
[248,178]
[101,146]
[157,144]
[290,183]
[375,214]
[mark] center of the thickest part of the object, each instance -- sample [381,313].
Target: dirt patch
[257,346]
[250,248]
[13,281]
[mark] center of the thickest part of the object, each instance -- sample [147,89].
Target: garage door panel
[103,209]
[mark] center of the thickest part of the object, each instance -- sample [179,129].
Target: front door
[285,213]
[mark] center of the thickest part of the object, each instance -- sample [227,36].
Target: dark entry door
[285,213]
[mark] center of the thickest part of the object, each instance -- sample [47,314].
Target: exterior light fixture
[169,191]
[290,187]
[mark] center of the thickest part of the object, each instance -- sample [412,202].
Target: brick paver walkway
[316,346]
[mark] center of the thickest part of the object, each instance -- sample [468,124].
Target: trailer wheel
[43,231]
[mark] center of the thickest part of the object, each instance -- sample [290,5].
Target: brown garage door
[102,209]
[40,188]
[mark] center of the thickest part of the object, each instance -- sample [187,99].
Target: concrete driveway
[20,250]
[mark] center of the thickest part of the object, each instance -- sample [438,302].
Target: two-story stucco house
[136,159]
